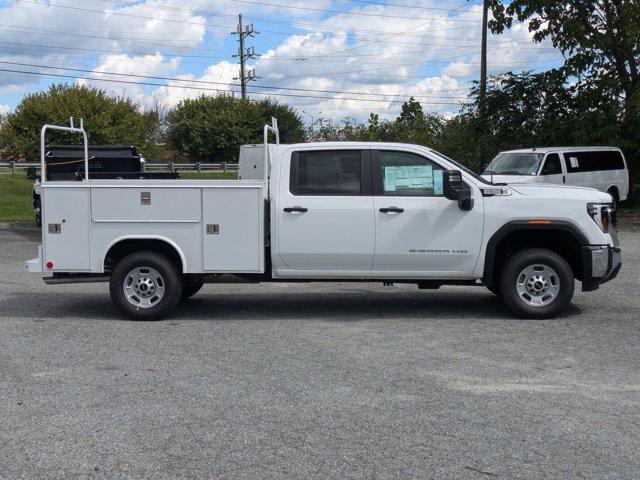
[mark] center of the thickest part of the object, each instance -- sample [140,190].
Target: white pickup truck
[330,212]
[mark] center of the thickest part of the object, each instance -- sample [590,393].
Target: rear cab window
[330,172]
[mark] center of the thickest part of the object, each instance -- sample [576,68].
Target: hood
[563,192]
[509,179]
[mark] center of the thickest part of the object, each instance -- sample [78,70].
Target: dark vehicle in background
[66,162]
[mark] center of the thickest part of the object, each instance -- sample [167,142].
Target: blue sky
[329,58]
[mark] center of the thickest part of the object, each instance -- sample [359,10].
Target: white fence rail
[148,167]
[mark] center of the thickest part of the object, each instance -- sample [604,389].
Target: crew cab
[329,212]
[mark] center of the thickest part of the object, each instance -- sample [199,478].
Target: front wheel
[536,283]
[145,286]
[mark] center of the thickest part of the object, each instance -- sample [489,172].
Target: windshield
[461,167]
[515,164]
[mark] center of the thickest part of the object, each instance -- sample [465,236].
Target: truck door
[325,212]
[418,230]
[551,171]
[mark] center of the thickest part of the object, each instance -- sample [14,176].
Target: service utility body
[330,212]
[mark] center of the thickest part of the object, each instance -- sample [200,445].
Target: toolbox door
[233,229]
[65,228]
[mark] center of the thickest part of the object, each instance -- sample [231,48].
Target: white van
[602,168]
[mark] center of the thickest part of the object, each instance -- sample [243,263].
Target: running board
[57,280]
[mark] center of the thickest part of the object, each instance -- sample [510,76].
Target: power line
[188,87]
[395,34]
[293,24]
[209,82]
[311,9]
[402,5]
[343,12]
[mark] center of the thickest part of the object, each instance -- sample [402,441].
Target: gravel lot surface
[316,381]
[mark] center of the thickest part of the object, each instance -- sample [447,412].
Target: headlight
[604,214]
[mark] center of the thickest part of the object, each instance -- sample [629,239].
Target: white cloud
[4,109]
[348,57]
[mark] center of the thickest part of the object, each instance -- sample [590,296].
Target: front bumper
[601,263]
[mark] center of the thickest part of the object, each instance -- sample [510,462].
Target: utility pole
[244,31]
[482,99]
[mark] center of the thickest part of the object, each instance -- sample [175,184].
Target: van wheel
[145,286]
[38,212]
[190,287]
[536,283]
[614,194]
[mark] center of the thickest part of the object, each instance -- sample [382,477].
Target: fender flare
[146,237]
[521,225]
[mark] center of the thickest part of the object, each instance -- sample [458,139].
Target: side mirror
[454,188]
[31,173]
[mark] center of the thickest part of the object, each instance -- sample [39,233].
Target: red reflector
[540,222]
[49,265]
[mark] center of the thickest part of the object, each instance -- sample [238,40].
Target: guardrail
[147,167]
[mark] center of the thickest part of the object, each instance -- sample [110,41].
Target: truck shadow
[333,306]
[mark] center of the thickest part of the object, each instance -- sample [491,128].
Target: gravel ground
[316,381]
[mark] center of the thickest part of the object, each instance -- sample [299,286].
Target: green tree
[212,128]
[107,120]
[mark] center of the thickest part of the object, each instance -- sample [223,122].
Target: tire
[38,212]
[190,287]
[536,283]
[614,195]
[145,286]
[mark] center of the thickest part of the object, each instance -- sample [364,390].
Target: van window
[408,174]
[326,172]
[552,165]
[515,164]
[593,161]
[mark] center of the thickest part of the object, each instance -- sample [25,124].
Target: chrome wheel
[143,287]
[538,285]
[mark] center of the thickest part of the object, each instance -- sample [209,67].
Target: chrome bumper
[600,264]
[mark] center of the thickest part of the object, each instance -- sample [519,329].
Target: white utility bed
[216,226]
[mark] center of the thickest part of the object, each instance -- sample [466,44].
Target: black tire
[536,256]
[38,206]
[615,196]
[190,287]
[493,289]
[171,281]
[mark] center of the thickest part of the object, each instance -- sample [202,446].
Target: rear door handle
[296,209]
[392,210]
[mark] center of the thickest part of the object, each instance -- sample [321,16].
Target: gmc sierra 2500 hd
[330,212]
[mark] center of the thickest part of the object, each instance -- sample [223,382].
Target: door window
[408,174]
[326,172]
[552,165]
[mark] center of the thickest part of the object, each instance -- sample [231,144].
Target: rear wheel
[614,195]
[190,287]
[145,286]
[536,283]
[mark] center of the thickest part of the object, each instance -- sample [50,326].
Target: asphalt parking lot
[316,381]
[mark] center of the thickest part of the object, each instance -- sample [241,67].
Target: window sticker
[410,177]
[437,182]
[574,162]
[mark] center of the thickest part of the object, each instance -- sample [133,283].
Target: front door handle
[392,210]
[296,209]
